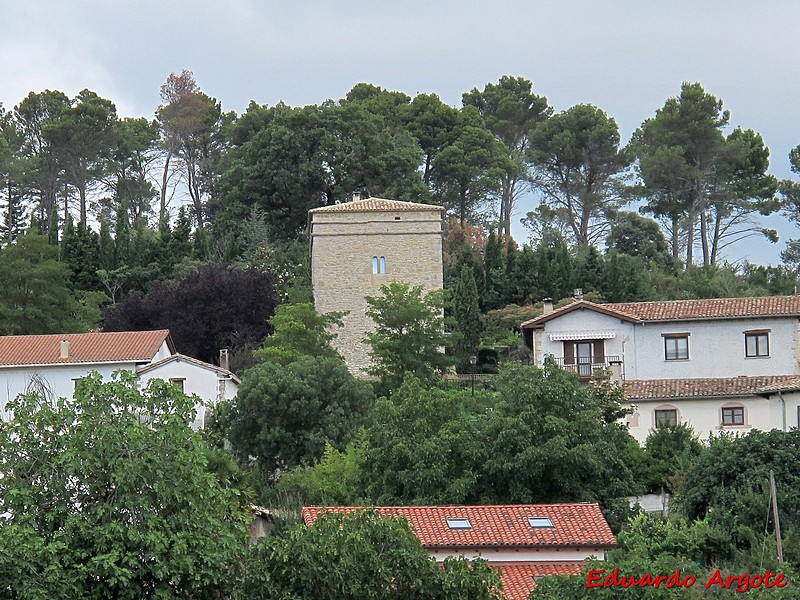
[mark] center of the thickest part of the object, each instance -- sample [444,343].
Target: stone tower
[358,246]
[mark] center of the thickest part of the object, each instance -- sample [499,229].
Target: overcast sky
[625,56]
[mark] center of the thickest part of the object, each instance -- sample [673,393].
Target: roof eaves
[580,304]
[124,361]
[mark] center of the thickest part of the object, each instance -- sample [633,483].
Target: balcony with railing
[587,366]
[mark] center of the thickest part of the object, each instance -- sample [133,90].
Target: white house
[524,541]
[704,362]
[211,383]
[51,364]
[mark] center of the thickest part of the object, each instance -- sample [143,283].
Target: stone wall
[343,245]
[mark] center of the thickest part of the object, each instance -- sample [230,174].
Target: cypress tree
[467,313]
[122,239]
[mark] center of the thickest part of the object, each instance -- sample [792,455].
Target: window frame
[674,337]
[179,382]
[459,523]
[540,522]
[729,410]
[665,409]
[756,335]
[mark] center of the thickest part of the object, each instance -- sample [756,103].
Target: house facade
[702,362]
[358,246]
[50,365]
[524,542]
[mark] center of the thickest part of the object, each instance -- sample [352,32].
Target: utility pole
[774,496]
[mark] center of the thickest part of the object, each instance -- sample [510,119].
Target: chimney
[356,196]
[64,349]
[548,306]
[577,293]
[224,360]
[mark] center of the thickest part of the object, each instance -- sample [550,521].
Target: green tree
[511,111]
[425,446]
[129,167]
[334,480]
[80,251]
[299,331]
[639,236]
[284,415]
[469,169]
[41,176]
[409,333]
[191,130]
[550,439]
[668,452]
[13,218]
[694,176]
[468,322]
[102,497]
[360,555]
[650,545]
[626,279]
[729,482]
[432,123]
[287,160]
[36,295]
[84,136]
[577,167]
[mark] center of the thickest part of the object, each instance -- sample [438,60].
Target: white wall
[206,383]
[716,348]
[579,321]
[705,415]
[58,381]
[520,554]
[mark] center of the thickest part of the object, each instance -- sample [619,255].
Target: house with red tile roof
[703,362]
[51,364]
[524,542]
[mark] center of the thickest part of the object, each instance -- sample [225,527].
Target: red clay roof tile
[683,310]
[518,578]
[376,205]
[712,308]
[656,389]
[97,347]
[578,524]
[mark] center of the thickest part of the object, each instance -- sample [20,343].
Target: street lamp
[473,360]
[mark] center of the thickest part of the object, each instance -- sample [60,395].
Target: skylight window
[540,522]
[455,523]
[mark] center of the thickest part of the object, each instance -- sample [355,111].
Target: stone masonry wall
[342,247]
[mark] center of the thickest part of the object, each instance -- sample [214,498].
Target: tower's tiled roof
[376,205]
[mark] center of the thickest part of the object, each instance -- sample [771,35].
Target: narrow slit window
[537,522]
[458,523]
[374,265]
[382,265]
